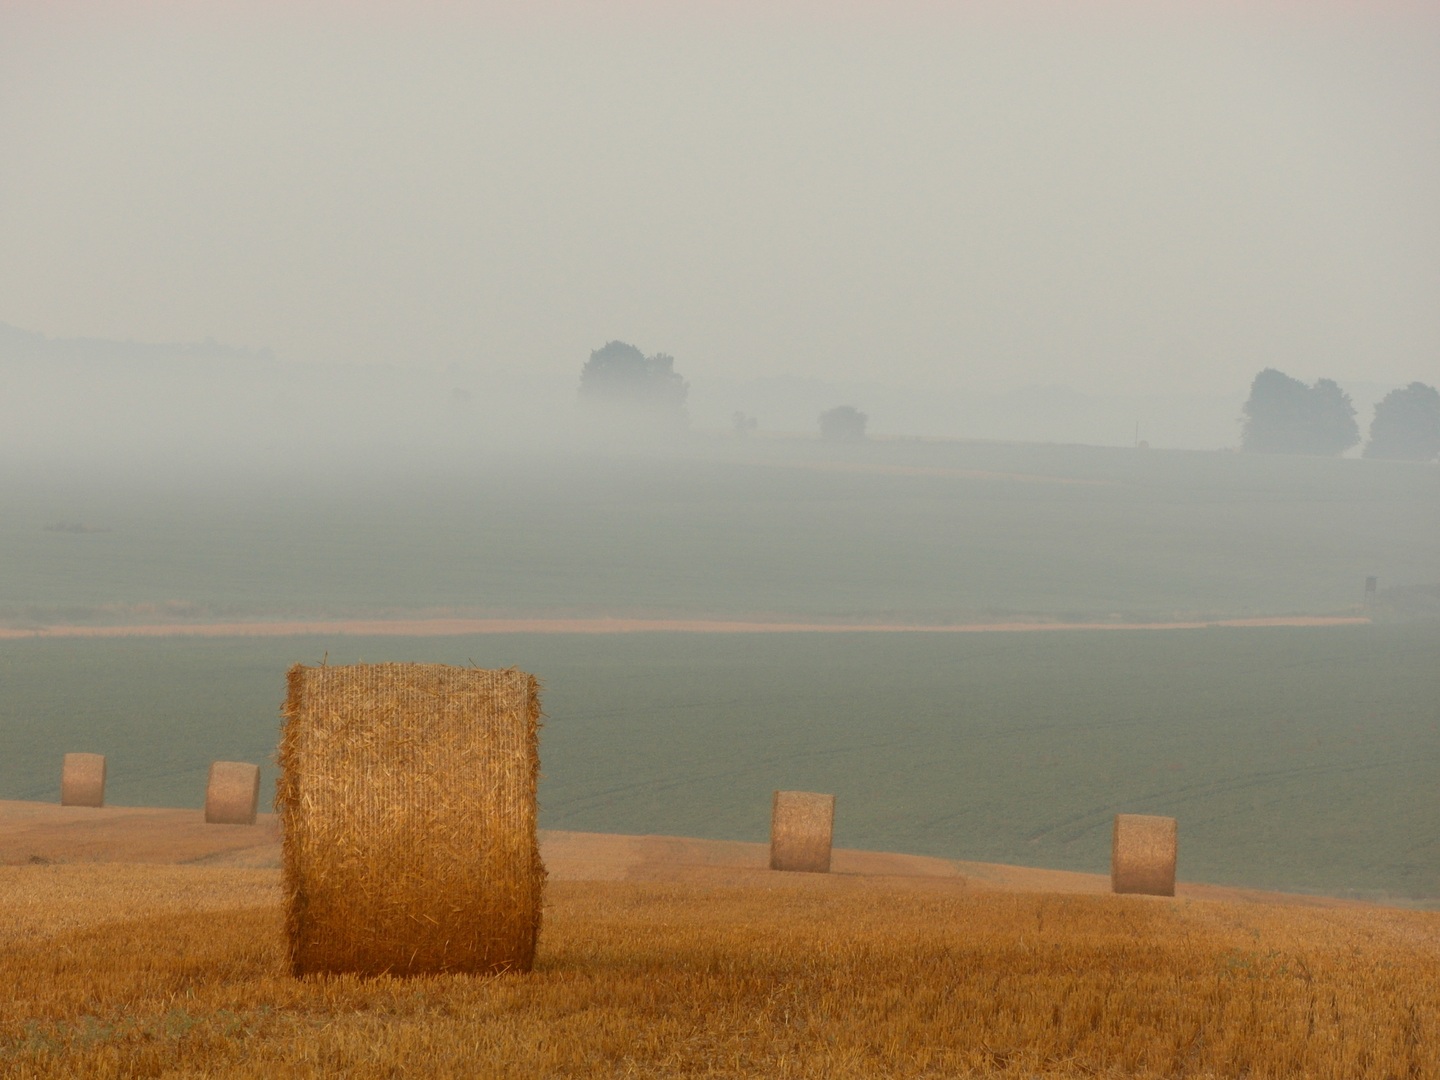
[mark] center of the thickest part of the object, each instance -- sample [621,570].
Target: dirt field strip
[458,627]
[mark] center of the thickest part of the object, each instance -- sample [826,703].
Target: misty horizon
[965,202]
[79,398]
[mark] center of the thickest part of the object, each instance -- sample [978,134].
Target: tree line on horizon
[631,388]
[1284,416]
[1281,416]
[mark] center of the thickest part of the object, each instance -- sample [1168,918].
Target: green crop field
[1294,758]
[913,531]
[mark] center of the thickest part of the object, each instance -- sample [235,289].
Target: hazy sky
[1157,197]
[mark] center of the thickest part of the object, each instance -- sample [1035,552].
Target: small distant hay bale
[1142,857]
[407,801]
[232,794]
[82,780]
[802,824]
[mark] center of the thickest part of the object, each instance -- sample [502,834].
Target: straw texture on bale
[82,780]
[232,795]
[407,803]
[1142,855]
[802,824]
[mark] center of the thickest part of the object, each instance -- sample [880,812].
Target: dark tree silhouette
[620,376]
[1406,425]
[743,424]
[1333,429]
[844,423]
[1284,416]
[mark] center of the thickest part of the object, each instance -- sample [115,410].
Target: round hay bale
[232,794]
[407,802]
[802,824]
[1142,855]
[82,780]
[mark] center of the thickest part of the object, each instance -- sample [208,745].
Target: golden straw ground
[407,802]
[147,971]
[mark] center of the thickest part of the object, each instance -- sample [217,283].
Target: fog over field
[1032,221]
[853,315]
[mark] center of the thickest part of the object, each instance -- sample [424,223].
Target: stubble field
[116,971]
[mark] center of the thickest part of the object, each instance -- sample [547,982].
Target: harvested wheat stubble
[1142,855]
[802,824]
[407,802]
[82,780]
[232,794]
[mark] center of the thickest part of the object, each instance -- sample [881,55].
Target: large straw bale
[82,780]
[802,824]
[232,794]
[407,799]
[1142,855]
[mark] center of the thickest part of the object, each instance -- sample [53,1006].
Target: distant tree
[742,423]
[1333,428]
[1275,414]
[1406,425]
[844,423]
[620,376]
[1284,416]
